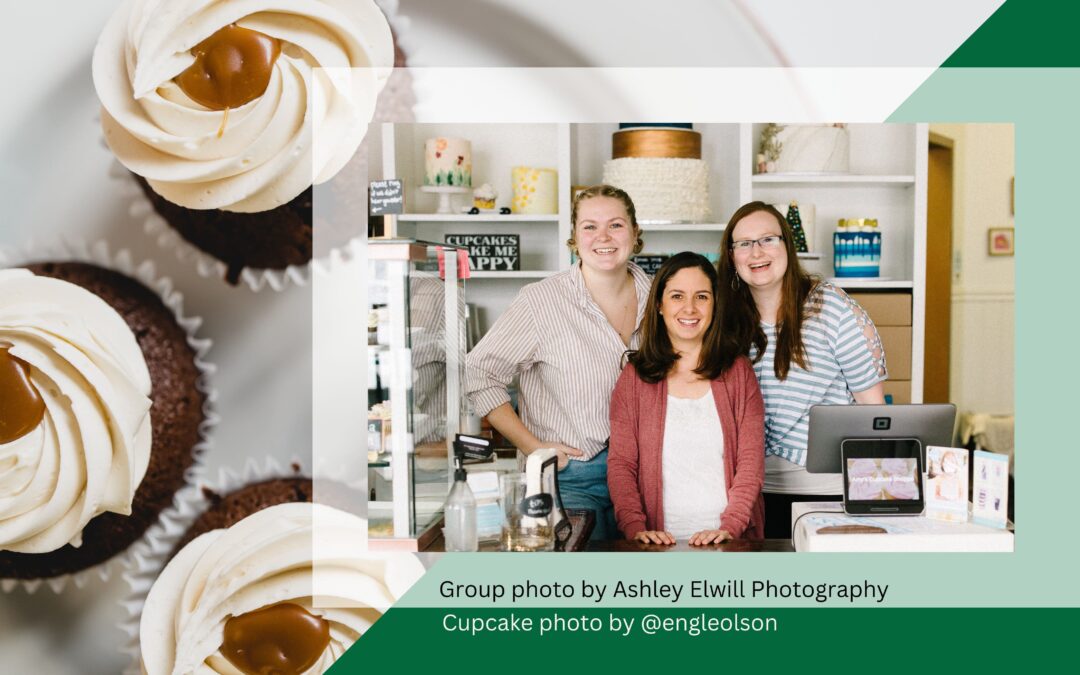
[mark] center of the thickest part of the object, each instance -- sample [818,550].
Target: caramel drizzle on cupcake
[284,639]
[21,406]
[232,67]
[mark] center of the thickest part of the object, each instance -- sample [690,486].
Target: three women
[693,439]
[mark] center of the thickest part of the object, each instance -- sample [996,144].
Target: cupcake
[102,408]
[212,104]
[237,593]
[484,197]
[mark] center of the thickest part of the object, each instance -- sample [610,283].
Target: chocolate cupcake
[240,585]
[117,387]
[215,104]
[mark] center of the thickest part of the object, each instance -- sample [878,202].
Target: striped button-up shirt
[567,354]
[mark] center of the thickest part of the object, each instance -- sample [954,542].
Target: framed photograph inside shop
[1001,241]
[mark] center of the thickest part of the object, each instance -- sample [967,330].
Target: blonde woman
[564,339]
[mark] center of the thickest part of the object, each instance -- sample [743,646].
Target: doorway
[939,264]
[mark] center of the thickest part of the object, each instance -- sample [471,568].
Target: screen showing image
[882,479]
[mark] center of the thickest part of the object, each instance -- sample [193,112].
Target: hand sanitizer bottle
[460,514]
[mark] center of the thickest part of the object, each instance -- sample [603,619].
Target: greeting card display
[990,500]
[947,483]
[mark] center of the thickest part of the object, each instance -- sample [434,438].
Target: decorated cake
[447,162]
[857,248]
[536,191]
[656,142]
[812,148]
[661,169]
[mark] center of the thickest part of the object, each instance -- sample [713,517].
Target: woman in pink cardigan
[687,455]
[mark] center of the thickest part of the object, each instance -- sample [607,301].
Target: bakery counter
[822,527]
[731,546]
[582,522]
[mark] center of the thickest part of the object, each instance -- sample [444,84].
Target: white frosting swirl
[266,559]
[91,449]
[266,155]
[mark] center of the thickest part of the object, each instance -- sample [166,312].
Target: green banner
[573,640]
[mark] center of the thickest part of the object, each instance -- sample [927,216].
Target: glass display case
[416,358]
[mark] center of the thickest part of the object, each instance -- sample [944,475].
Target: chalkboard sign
[650,263]
[490,252]
[386,197]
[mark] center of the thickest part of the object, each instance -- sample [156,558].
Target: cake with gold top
[660,167]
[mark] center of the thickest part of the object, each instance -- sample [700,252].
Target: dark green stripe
[807,639]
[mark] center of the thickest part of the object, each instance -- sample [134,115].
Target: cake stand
[445,193]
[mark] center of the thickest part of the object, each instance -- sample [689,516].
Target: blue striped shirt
[844,355]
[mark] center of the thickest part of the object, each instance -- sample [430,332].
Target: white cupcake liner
[206,265]
[150,555]
[98,253]
[254,278]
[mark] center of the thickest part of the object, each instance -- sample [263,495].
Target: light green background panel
[1040,102]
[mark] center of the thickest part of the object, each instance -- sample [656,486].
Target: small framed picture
[1001,241]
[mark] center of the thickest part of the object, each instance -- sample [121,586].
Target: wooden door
[939,254]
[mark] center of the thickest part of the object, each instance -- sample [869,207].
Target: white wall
[983,290]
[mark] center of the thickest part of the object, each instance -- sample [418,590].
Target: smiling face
[760,268]
[687,306]
[604,233]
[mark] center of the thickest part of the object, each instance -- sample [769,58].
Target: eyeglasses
[766,243]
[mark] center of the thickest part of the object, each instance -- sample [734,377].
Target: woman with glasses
[564,338]
[686,421]
[810,344]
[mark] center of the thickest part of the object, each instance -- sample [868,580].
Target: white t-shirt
[695,492]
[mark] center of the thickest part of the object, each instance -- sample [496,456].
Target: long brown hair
[741,320]
[656,356]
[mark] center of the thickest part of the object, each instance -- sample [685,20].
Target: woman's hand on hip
[655,537]
[706,537]
[565,452]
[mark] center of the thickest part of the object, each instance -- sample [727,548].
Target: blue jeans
[583,485]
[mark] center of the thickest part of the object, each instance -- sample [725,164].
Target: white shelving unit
[887,182]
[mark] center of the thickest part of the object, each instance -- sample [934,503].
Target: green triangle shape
[1022,34]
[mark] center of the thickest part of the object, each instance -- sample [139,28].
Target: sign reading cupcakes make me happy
[490,252]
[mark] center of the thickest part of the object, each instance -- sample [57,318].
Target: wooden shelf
[530,274]
[683,227]
[870,285]
[477,218]
[832,179]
